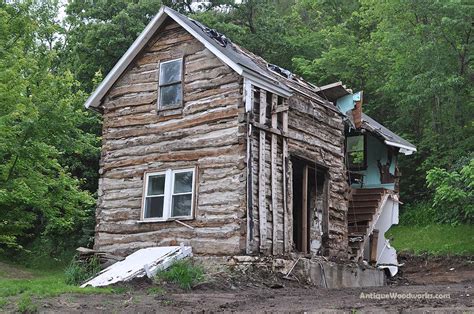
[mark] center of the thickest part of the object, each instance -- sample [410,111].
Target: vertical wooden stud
[274,144]
[249,98]
[262,210]
[304,211]
[286,204]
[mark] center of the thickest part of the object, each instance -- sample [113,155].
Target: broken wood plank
[374,238]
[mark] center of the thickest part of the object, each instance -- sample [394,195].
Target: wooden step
[358,228]
[364,203]
[356,234]
[354,245]
[366,197]
[358,211]
[368,191]
[359,218]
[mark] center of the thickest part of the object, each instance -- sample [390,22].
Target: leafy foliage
[454,193]
[42,141]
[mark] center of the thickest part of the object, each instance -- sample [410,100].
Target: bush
[184,273]
[453,193]
[78,271]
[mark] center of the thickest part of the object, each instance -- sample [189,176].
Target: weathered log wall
[316,133]
[205,134]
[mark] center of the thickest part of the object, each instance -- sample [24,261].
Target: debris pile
[105,259]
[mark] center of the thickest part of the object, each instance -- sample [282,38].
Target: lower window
[356,152]
[168,194]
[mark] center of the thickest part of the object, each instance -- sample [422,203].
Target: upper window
[169,194]
[170,84]
[355,147]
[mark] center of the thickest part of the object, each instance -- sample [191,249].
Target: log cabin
[207,144]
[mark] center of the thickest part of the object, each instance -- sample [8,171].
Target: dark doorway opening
[310,206]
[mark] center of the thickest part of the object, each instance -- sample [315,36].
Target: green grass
[183,273]
[26,305]
[43,284]
[22,285]
[433,239]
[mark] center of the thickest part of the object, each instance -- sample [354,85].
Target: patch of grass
[41,283]
[433,239]
[79,271]
[3,302]
[156,290]
[183,273]
[26,305]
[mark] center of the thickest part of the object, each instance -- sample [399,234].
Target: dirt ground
[262,293]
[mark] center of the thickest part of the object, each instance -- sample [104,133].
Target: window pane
[181,205]
[355,143]
[156,185]
[154,207]
[170,72]
[356,159]
[183,182]
[170,95]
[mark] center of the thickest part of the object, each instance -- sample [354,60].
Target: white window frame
[168,194]
[160,107]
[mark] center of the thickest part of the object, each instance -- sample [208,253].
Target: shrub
[78,271]
[184,273]
[453,193]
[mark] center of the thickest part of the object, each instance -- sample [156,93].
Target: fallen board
[144,262]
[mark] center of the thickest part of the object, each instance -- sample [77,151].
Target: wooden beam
[374,238]
[279,109]
[262,210]
[269,129]
[286,232]
[304,211]
[274,145]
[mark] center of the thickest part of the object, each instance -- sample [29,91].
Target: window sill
[171,111]
[146,221]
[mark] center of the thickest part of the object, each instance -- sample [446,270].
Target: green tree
[40,125]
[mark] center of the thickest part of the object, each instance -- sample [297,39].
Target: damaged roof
[245,63]
[389,137]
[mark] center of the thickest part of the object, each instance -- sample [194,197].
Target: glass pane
[156,185]
[355,143]
[170,72]
[154,207]
[170,95]
[183,182]
[181,205]
[356,159]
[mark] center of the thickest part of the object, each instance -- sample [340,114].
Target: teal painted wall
[345,103]
[376,150]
